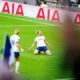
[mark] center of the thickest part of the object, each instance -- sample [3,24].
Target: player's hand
[22,50]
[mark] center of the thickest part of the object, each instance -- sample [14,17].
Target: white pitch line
[29,20]
[20,25]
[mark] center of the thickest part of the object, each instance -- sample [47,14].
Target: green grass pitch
[35,67]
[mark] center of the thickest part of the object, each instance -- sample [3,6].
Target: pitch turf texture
[36,67]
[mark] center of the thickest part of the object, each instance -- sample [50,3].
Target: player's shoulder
[12,36]
[36,38]
[40,37]
[15,36]
[43,36]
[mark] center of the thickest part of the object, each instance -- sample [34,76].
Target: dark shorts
[17,54]
[44,49]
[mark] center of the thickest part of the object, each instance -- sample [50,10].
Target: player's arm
[18,45]
[48,43]
[32,46]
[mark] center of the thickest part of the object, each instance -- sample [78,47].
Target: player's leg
[48,52]
[45,49]
[36,52]
[17,56]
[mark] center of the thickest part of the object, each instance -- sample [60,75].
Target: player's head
[17,31]
[38,32]
[45,2]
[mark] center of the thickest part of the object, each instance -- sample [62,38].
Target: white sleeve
[35,40]
[44,37]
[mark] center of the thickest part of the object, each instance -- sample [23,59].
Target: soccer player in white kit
[15,46]
[41,44]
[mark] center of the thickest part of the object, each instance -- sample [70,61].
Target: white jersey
[40,40]
[14,39]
